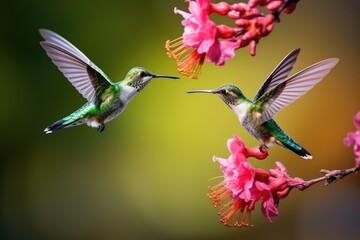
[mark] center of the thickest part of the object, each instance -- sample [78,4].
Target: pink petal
[282,169]
[207,36]
[349,139]
[269,209]
[246,180]
[236,145]
[222,161]
[222,50]
[357,121]
[204,4]
[200,13]
[185,15]
[357,154]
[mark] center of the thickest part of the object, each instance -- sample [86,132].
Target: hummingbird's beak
[164,76]
[200,91]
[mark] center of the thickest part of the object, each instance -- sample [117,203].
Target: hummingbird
[277,91]
[106,100]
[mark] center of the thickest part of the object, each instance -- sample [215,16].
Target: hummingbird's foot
[262,146]
[101,127]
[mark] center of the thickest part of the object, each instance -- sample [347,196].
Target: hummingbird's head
[229,93]
[139,77]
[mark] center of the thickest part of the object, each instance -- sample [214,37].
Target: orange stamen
[188,60]
[234,213]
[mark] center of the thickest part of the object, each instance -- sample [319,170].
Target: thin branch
[329,177]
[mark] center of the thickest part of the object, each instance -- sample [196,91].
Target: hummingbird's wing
[293,88]
[279,74]
[89,80]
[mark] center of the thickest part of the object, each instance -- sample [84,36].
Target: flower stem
[330,176]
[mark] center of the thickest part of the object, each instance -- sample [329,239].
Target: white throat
[127,93]
[241,110]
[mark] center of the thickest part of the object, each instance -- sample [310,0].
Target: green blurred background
[146,175]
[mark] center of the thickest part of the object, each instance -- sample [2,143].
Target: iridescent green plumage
[277,92]
[106,99]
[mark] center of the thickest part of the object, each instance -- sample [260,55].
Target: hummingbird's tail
[63,123]
[295,147]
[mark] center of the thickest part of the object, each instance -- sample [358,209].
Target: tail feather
[55,126]
[62,123]
[296,148]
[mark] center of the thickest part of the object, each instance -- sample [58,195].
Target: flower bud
[253,3]
[225,31]
[274,173]
[221,8]
[289,9]
[282,194]
[267,23]
[278,184]
[252,48]
[234,14]
[240,7]
[261,175]
[242,23]
[256,153]
[274,5]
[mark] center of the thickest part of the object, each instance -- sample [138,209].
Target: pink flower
[201,35]
[238,177]
[269,209]
[354,138]
[240,184]
[273,5]
[245,185]
[199,31]
[222,50]
[280,180]
[203,38]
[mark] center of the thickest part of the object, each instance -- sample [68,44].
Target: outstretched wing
[279,74]
[293,88]
[84,75]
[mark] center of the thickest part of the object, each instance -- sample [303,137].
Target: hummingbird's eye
[142,74]
[224,91]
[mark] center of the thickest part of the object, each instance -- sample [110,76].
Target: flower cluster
[202,38]
[354,138]
[244,185]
